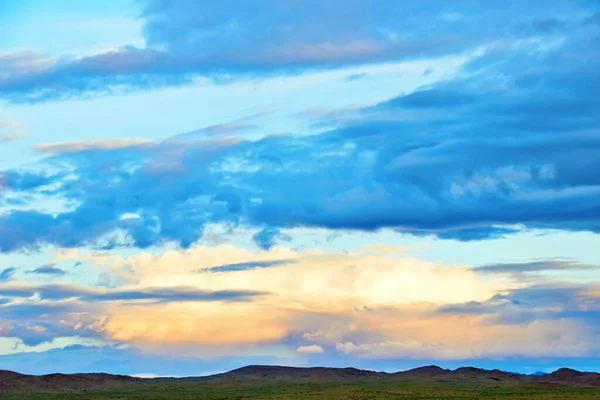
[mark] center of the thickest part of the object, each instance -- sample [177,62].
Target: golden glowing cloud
[373,302]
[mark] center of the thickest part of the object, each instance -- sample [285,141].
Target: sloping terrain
[571,376]
[13,381]
[272,372]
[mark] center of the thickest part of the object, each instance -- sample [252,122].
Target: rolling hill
[13,381]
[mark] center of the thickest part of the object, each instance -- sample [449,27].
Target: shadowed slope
[12,381]
[571,376]
[272,372]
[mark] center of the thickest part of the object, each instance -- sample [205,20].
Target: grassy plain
[335,390]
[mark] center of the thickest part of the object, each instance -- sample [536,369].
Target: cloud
[265,238]
[509,144]
[48,269]
[174,294]
[567,315]
[539,302]
[16,291]
[10,131]
[502,147]
[243,266]
[378,274]
[311,349]
[186,40]
[41,314]
[7,273]
[91,145]
[433,98]
[355,77]
[34,322]
[158,294]
[317,292]
[232,128]
[371,303]
[536,266]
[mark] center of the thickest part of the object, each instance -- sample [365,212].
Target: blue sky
[188,187]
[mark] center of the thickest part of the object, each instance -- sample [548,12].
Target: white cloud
[10,130]
[95,144]
[312,349]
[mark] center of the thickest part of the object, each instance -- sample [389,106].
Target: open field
[320,390]
[360,389]
[279,383]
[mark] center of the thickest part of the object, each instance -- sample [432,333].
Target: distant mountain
[495,374]
[571,376]
[14,381]
[273,372]
[429,370]
[539,373]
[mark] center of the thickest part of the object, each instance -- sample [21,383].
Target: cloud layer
[372,303]
[224,40]
[512,142]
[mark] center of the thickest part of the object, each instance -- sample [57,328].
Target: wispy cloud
[310,349]
[48,269]
[242,41]
[10,131]
[90,145]
[160,294]
[244,266]
[536,266]
[7,273]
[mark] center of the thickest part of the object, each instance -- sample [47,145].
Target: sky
[188,187]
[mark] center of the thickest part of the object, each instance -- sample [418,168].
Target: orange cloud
[373,302]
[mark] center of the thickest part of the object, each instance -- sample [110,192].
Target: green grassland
[356,390]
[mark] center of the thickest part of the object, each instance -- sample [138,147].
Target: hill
[280,373]
[571,376]
[273,372]
[13,381]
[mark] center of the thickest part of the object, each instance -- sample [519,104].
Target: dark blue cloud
[7,273]
[23,181]
[536,266]
[355,77]
[48,269]
[511,143]
[173,295]
[230,39]
[245,266]
[35,332]
[434,98]
[34,322]
[265,238]
[468,234]
[549,301]
[13,291]
[56,292]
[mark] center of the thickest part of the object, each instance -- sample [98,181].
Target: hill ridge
[10,380]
